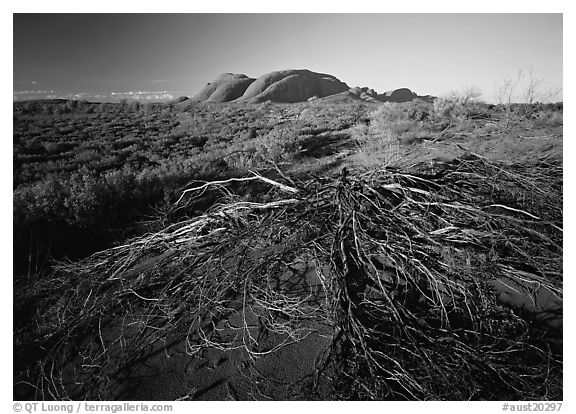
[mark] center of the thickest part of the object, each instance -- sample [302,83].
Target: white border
[301,6]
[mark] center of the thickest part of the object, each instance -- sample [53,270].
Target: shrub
[241,161]
[86,156]
[457,107]
[84,200]
[548,119]
[376,145]
[448,111]
[278,146]
[40,200]
[389,127]
[57,147]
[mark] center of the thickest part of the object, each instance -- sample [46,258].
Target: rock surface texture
[293,85]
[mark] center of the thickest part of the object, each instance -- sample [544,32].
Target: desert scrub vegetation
[387,129]
[158,148]
[394,126]
[462,112]
[408,263]
[170,218]
[84,171]
[388,133]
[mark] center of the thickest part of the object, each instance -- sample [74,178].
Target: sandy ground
[278,367]
[171,374]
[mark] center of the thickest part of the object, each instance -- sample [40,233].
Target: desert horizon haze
[107,57]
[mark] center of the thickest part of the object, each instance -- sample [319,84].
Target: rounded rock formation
[230,90]
[213,86]
[292,86]
[398,95]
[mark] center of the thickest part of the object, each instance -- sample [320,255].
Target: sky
[160,56]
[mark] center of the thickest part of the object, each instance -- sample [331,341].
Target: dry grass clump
[449,110]
[405,259]
[375,148]
[389,128]
[549,118]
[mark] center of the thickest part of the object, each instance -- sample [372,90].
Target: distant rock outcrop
[223,80]
[178,100]
[364,94]
[425,99]
[230,90]
[369,95]
[282,86]
[292,86]
[295,85]
[397,95]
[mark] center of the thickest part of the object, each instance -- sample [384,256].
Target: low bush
[449,111]
[278,146]
[57,147]
[389,127]
[548,118]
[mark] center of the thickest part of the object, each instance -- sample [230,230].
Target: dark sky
[163,55]
[102,53]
